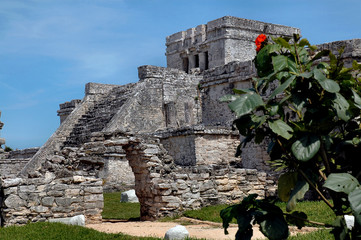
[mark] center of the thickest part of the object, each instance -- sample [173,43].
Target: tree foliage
[310,110]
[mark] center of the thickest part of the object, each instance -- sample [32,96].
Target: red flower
[259,41]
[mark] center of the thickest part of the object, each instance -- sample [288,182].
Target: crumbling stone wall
[218,82]
[219,42]
[40,199]
[11,163]
[69,182]
[352,50]
[165,188]
[165,98]
[66,109]
[93,94]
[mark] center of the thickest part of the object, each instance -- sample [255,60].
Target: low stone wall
[11,163]
[165,188]
[9,168]
[40,199]
[352,50]
[23,153]
[70,182]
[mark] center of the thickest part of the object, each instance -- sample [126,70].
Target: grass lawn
[316,211]
[59,231]
[323,234]
[114,209]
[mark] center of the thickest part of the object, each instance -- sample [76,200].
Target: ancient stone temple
[167,135]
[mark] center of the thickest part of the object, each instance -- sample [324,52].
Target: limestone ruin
[166,135]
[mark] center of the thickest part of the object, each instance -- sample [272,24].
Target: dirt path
[196,228]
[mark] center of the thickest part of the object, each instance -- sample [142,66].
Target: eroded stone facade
[166,135]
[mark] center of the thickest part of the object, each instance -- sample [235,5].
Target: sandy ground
[196,228]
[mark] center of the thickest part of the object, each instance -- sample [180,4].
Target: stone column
[2,140]
[67,108]
[192,62]
[202,61]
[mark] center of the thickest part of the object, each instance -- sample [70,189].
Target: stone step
[97,117]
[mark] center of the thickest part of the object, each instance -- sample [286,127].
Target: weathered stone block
[39,209]
[58,187]
[55,193]
[93,189]
[93,198]
[64,202]
[177,232]
[27,189]
[76,220]
[11,182]
[92,205]
[79,179]
[62,210]
[14,201]
[129,196]
[47,201]
[10,190]
[72,192]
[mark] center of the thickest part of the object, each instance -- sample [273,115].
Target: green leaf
[228,98]
[227,215]
[242,124]
[274,227]
[245,235]
[263,61]
[320,54]
[357,99]
[246,103]
[274,48]
[281,41]
[245,230]
[304,42]
[327,84]
[340,230]
[341,106]
[273,109]
[286,183]
[282,87]
[306,147]
[299,101]
[282,62]
[341,182]
[281,128]
[297,193]
[306,75]
[242,91]
[355,202]
[296,219]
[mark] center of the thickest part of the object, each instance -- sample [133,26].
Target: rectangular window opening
[185,64]
[206,60]
[196,61]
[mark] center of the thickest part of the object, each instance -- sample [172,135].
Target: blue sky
[49,49]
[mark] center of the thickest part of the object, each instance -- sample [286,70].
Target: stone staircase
[98,116]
